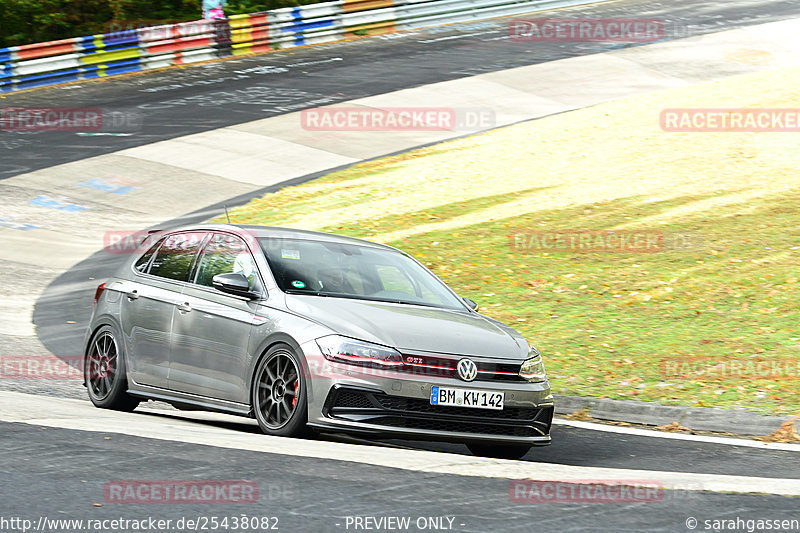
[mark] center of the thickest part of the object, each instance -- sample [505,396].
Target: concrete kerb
[737,421]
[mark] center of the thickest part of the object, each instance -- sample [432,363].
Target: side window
[176,256]
[143,262]
[226,254]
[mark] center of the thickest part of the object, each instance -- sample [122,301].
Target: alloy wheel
[278,390]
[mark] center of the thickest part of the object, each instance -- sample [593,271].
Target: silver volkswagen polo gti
[311,331]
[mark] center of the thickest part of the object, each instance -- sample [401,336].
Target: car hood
[412,328]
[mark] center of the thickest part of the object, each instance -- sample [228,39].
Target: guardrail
[50,63]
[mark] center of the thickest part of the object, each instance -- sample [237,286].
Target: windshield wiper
[406,302]
[308,293]
[360,297]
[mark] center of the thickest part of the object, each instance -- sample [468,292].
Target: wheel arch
[262,350]
[96,325]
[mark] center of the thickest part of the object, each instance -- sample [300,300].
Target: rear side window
[226,254]
[143,262]
[175,257]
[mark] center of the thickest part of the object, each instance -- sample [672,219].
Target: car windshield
[352,271]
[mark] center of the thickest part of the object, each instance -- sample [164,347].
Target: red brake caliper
[296,387]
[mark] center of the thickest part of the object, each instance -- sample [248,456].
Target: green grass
[713,323]
[637,325]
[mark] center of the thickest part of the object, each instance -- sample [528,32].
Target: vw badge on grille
[467,370]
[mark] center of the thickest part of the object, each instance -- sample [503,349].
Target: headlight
[344,350]
[533,368]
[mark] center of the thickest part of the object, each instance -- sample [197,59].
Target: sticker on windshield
[290,254]
[298,285]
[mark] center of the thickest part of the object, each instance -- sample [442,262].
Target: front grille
[445,367]
[381,409]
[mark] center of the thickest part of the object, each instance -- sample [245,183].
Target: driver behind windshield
[334,280]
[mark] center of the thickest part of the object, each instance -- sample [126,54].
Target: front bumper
[373,411]
[384,403]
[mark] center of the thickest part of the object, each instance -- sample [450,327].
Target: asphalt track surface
[581,447]
[61,472]
[315,495]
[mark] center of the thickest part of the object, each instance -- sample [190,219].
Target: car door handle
[185,307]
[133,295]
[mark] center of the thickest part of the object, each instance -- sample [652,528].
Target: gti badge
[467,370]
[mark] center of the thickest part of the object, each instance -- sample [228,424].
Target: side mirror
[472,304]
[234,283]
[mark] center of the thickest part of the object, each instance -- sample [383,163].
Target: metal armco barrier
[50,63]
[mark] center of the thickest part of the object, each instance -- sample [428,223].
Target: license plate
[467,398]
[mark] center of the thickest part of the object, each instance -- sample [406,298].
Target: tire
[499,451]
[104,372]
[280,393]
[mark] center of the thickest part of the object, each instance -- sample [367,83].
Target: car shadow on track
[571,446]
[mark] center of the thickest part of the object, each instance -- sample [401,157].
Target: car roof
[284,233]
